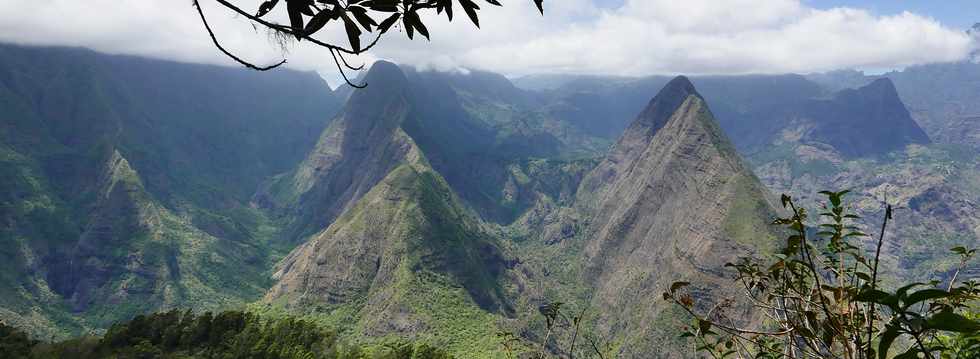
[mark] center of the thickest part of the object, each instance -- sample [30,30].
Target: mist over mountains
[445,206]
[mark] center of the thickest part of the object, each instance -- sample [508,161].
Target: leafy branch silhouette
[309,17]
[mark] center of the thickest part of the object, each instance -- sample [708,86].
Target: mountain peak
[882,88]
[679,86]
[357,150]
[883,85]
[673,197]
[664,104]
[384,73]
[865,121]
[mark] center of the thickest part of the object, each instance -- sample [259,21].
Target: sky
[610,37]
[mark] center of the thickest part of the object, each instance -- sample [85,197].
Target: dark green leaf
[678,285]
[963,251]
[318,21]
[952,322]
[409,30]
[360,14]
[266,7]
[353,33]
[295,18]
[470,8]
[901,292]
[704,326]
[828,334]
[925,294]
[874,296]
[305,6]
[386,24]
[449,9]
[381,5]
[887,338]
[414,21]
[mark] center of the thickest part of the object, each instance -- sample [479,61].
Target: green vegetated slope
[933,185]
[406,260]
[403,256]
[411,258]
[126,183]
[228,334]
[440,208]
[671,200]
[849,131]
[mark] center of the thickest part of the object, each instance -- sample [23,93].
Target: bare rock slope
[672,201]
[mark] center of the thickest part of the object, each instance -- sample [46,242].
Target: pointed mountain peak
[673,197]
[870,120]
[883,85]
[384,71]
[410,219]
[880,88]
[680,87]
[359,148]
[385,82]
[663,106]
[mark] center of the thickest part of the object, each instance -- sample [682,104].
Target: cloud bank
[640,37]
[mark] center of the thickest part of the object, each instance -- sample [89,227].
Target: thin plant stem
[874,276]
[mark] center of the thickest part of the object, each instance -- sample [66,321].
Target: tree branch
[299,34]
[344,74]
[217,44]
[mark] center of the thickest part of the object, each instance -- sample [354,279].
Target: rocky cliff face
[393,246]
[359,148]
[405,237]
[672,201]
[121,211]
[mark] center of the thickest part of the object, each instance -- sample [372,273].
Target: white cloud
[641,37]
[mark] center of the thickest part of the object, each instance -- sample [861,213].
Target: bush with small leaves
[821,297]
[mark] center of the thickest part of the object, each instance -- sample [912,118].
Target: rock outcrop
[393,244]
[359,148]
[672,201]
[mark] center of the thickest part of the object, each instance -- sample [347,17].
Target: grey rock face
[359,148]
[666,205]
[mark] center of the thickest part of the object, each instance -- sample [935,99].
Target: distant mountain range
[445,207]
[755,110]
